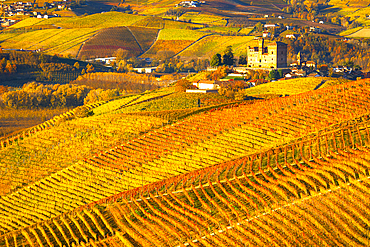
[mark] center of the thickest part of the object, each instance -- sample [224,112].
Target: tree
[182,85]
[273,75]
[228,57]
[89,68]
[121,54]
[280,73]
[76,65]
[243,59]
[216,60]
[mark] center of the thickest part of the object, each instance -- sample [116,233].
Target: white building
[204,86]
[266,34]
[270,25]
[145,70]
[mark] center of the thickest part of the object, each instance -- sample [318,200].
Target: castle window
[272,52]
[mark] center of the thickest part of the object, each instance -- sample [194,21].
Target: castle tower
[261,43]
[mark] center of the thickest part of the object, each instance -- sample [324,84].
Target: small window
[272,52]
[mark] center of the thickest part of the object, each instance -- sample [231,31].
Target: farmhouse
[146,70]
[270,55]
[204,86]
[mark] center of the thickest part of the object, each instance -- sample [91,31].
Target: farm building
[204,86]
[146,70]
[270,55]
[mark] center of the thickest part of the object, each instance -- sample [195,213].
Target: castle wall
[274,55]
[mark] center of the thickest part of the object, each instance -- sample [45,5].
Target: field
[196,17]
[173,46]
[236,174]
[210,45]
[12,120]
[222,30]
[174,34]
[289,87]
[363,33]
[145,36]
[107,41]
[51,41]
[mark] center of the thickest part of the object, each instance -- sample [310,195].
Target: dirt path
[133,35]
[192,44]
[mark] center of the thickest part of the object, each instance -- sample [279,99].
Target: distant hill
[107,41]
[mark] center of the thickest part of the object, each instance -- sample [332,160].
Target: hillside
[252,173]
[107,161]
[108,41]
[210,45]
[291,86]
[173,41]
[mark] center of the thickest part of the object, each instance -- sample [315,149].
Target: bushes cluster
[34,95]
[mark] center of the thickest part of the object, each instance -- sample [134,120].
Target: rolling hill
[269,159]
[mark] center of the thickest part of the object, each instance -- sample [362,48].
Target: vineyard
[210,45]
[287,171]
[290,87]
[108,41]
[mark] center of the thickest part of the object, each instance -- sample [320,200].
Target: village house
[205,86]
[266,34]
[315,30]
[192,4]
[146,70]
[292,36]
[270,25]
[271,55]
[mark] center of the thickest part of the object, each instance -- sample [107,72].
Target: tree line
[124,82]
[334,52]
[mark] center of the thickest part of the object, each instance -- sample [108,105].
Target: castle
[271,55]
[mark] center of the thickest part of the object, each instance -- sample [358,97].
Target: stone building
[271,55]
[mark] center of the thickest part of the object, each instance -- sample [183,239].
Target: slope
[226,134]
[301,192]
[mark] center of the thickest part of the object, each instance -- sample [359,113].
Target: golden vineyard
[291,171]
